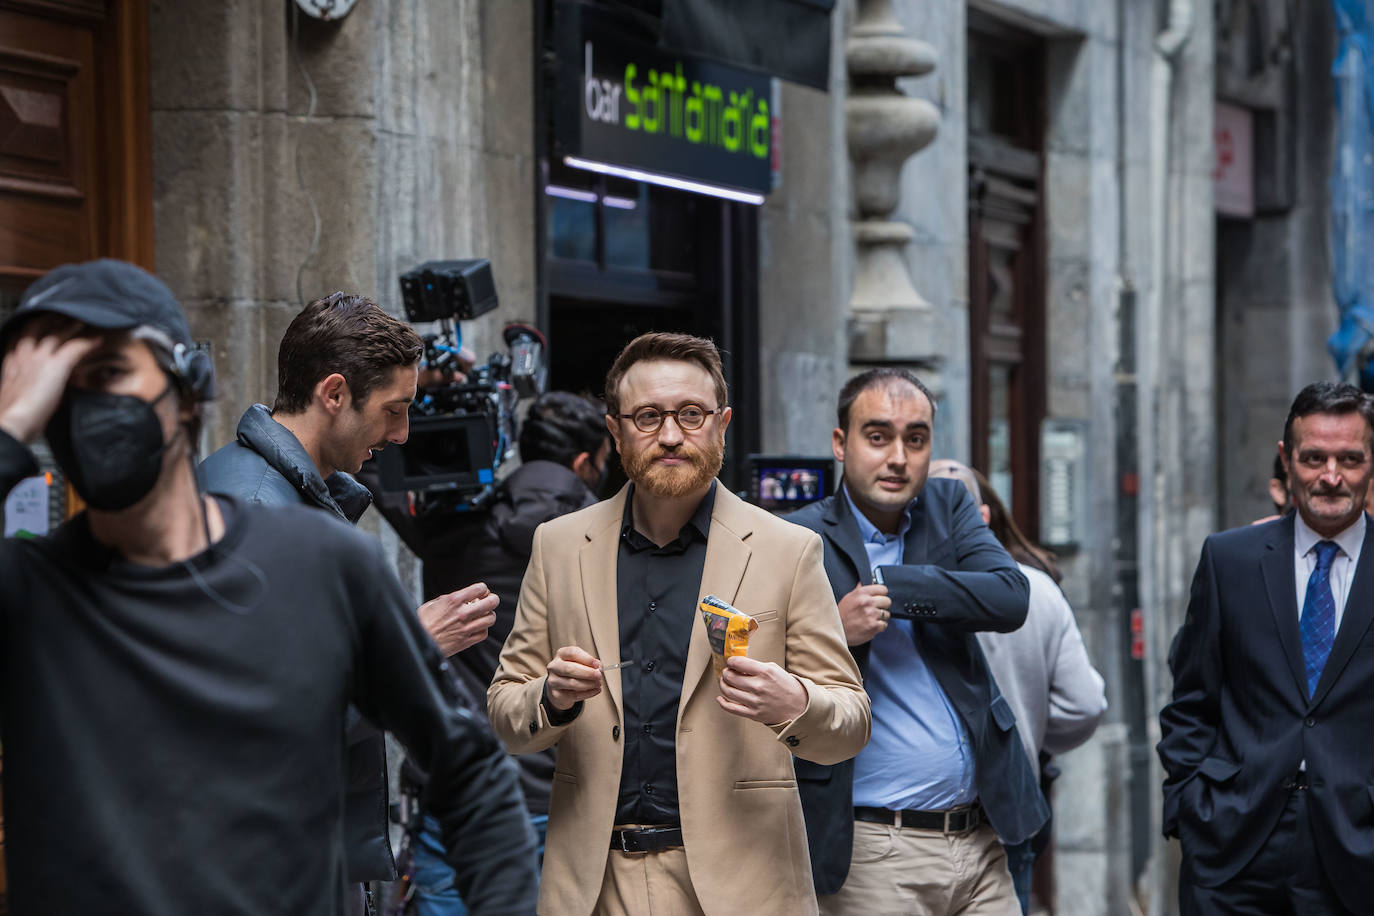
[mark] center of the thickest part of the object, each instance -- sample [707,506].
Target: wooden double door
[75,153]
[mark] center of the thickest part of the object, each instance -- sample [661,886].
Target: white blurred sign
[1233,174]
[26,508]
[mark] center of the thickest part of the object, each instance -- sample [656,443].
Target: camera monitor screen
[781,483]
[452,452]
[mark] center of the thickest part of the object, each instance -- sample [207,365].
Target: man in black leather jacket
[346,377]
[564,449]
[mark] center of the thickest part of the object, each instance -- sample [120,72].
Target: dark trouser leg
[1284,879]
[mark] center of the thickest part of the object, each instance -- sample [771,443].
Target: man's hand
[573,676]
[864,613]
[762,691]
[35,373]
[459,619]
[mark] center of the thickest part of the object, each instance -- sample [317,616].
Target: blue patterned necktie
[1318,625]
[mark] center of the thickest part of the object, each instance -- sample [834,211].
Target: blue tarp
[1352,191]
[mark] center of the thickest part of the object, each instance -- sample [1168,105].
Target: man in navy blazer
[1270,779]
[912,824]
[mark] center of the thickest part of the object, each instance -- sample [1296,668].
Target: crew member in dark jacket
[174,668]
[912,824]
[564,447]
[346,376]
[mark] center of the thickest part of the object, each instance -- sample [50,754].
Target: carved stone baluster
[889,320]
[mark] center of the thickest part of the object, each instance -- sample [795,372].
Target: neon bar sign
[633,109]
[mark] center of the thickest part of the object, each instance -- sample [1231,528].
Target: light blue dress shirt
[919,756]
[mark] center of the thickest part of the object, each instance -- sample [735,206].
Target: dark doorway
[1006,258]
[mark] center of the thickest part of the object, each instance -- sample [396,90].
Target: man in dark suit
[1270,784]
[912,824]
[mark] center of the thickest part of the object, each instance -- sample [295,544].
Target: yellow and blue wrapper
[728,630]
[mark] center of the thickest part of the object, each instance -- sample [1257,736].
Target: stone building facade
[1053,271]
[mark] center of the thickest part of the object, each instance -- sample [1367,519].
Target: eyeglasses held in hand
[649,419]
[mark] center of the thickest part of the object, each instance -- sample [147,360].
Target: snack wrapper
[728,630]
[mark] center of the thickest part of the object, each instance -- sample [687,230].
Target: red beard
[682,480]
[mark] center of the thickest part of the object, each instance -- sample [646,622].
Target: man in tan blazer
[674,792]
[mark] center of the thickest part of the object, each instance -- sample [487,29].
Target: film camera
[461,432]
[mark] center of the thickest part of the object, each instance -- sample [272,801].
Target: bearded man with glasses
[675,790]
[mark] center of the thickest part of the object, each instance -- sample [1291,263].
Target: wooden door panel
[48,157]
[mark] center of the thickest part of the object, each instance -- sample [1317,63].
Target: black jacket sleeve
[16,463]
[1188,724]
[405,686]
[984,591]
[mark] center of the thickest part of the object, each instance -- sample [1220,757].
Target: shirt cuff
[16,463]
[558,716]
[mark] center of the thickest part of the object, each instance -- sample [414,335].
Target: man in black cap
[174,670]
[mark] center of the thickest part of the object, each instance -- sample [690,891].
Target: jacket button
[1309,721]
[910,606]
[1287,783]
[793,741]
[534,726]
[615,732]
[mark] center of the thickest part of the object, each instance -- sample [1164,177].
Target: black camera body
[449,290]
[461,432]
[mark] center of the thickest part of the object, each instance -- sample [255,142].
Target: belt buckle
[624,842]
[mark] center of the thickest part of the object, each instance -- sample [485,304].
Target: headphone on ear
[195,369]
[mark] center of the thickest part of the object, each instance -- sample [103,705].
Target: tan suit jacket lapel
[727,557]
[598,559]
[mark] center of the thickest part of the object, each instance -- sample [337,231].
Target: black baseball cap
[106,294]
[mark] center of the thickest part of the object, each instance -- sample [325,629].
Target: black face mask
[109,445]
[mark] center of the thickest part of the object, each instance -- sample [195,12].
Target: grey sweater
[1044,672]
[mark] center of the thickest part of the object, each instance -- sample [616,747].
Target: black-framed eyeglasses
[648,419]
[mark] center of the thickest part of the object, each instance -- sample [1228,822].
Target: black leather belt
[646,839]
[955,820]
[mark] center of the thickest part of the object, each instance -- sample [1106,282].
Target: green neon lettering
[760,131]
[653,101]
[696,116]
[631,96]
[715,103]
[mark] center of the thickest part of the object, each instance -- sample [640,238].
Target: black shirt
[174,736]
[657,590]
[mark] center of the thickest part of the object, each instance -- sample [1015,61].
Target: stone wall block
[449,64]
[1196,237]
[806,152]
[1069,217]
[1069,304]
[800,423]
[507,215]
[1068,79]
[507,30]
[234,330]
[206,231]
[219,57]
[340,57]
[339,159]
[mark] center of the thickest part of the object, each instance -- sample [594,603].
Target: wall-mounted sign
[1233,175]
[1063,482]
[27,508]
[634,110]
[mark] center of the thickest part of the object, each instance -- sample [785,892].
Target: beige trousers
[647,884]
[902,871]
